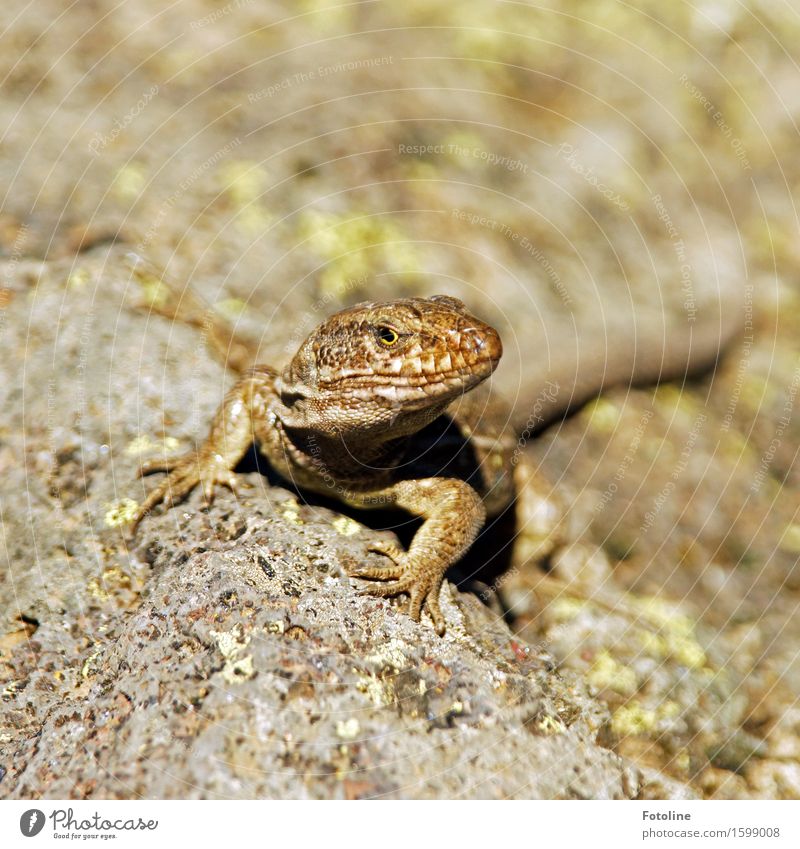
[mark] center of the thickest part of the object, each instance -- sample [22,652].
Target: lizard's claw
[404,576]
[185,473]
[382,573]
[159,464]
[220,477]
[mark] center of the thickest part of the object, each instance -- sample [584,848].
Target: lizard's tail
[582,359]
[167,299]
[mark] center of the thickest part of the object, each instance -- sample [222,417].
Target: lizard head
[388,367]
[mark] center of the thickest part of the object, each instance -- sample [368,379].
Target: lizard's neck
[334,457]
[309,439]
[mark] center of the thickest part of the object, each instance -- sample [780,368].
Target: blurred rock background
[546,163]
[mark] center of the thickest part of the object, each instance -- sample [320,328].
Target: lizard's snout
[481,345]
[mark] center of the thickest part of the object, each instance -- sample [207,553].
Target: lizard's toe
[376,573]
[415,602]
[217,477]
[178,485]
[392,572]
[156,496]
[174,488]
[435,612]
[394,588]
[425,594]
[390,550]
[159,464]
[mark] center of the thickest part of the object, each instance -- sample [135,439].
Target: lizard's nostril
[482,342]
[493,346]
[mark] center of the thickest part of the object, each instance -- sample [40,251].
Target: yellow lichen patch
[78,279]
[663,614]
[243,181]
[142,444]
[418,169]
[790,541]
[608,674]
[550,725]
[230,308]
[346,526]
[239,670]
[653,645]
[291,512]
[336,280]
[756,391]
[348,729]
[682,761]
[10,690]
[708,675]
[565,608]
[111,579]
[668,710]
[354,248]
[120,512]
[380,693]
[687,652]
[675,401]
[632,719]
[675,638]
[254,219]
[460,141]
[400,256]
[390,656]
[139,445]
[486,42]
[602,415]
[154,290]
[130,181]
[326,15]
[231,644]
[88,670]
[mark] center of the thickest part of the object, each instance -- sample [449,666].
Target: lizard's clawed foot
[405,575]
[185,473]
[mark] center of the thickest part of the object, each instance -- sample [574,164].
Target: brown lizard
[372,411]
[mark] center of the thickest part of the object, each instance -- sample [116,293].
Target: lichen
[120,512]
[231,644]
[144,443]
[346,526]
[607,673]
[356,247]
[632,719]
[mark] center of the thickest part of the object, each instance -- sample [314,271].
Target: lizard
[384,405]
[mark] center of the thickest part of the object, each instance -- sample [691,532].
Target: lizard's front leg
[230,436]
[453,513]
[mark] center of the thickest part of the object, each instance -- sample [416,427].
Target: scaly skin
[360,414]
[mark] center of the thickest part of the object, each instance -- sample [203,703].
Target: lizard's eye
[387,336]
